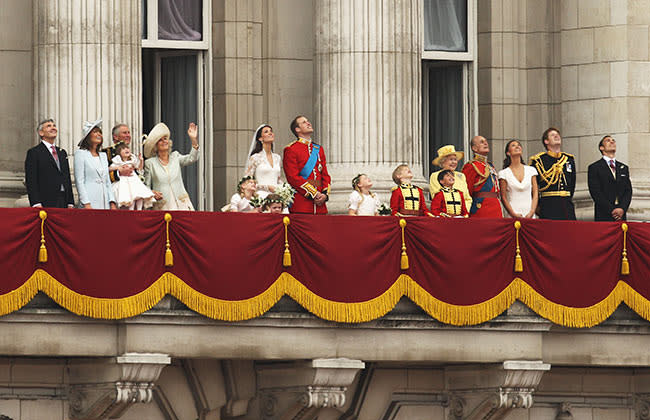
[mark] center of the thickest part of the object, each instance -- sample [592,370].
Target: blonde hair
[397,171]
[355,185]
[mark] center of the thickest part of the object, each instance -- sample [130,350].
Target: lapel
[607,169]
[47,152]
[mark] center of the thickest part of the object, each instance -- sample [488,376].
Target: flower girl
[362,201]
[130,192]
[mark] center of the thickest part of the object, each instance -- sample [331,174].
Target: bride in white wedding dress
[518,183]
[263,164]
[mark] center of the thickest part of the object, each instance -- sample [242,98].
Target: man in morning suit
[306,170]
[47,174]
[609,184]
[482,182]
[556,178]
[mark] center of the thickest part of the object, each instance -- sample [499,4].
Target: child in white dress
[362,201]
[241,201]
[130,192]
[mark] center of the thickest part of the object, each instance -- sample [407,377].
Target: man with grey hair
[121,134]
[47,174]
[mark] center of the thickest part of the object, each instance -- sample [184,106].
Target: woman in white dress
[518,183]
[264,165]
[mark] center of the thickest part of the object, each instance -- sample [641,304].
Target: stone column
[87,65]
[368,90]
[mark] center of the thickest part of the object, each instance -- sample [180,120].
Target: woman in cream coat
[91,170]
[162,168]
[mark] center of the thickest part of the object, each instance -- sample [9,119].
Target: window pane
[180,20]
[445,99]
[445,25]
[178,100]
[143,22]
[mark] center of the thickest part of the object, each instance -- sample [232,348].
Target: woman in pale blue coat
[91,170]
[162,168]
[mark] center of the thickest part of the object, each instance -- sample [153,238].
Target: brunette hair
[294,125]
[600,143]
[545,135]
[258,144]
[444,172]
[507,161]
[85,143]
[120,146]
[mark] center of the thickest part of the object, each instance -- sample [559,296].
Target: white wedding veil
[250,149]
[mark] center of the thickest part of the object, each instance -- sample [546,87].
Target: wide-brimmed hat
[445,151]
[87,128]
[157,132]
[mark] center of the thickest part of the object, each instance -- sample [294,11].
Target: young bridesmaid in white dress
[518,183]
[263,164]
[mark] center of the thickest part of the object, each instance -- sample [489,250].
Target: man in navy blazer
[47,173]
[609,184]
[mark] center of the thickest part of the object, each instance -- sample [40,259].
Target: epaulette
[394,188]
[534,157]
[290,144]
[568,154]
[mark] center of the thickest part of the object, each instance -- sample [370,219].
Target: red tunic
[397,204]
[296,155]
[440,202]
[477,172]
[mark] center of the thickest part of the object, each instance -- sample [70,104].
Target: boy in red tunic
[482,182]
[306,171]
[448,202]
[406,199]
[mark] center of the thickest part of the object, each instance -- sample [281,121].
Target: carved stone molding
[106,389]
[296,390]
[498,388]
[642,407]
[564,412]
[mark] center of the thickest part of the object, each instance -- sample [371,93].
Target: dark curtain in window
[179,108]
[180,20]
[445,25]
[445,110]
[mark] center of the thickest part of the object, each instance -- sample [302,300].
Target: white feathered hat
[157,132]
[88,127]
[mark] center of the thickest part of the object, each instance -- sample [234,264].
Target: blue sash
[487,187]
[311,162]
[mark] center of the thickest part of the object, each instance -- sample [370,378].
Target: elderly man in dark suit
[609,184]
[47,174]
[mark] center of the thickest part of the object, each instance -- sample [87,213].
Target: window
[176,79]
[176,24]
[448,77]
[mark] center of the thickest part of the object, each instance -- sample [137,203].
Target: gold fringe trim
[354,312]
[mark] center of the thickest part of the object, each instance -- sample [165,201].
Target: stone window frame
[472,35]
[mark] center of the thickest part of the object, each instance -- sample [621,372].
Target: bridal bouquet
[285,191]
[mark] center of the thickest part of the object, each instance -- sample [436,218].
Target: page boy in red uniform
[406,199]
[448,202]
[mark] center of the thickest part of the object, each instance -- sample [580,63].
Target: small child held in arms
[406,199]
[363,202]
[130,192]
[241,201]
[448,202]
[273,204]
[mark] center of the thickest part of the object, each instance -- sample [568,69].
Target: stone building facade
[362,72]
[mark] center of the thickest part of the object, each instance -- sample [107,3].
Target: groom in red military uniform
[306,171]
[482,182]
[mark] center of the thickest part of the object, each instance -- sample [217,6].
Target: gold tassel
[286,258]
[625,264]
[42,252]
[519,263]
[169,257]
[404,260]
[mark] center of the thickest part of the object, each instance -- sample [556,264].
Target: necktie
[56,157]
[612,166]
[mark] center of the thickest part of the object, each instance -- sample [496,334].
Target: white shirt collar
[609,159]
[48,145]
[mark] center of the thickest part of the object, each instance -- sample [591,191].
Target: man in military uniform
[121,134]
[556,178]
[482,182]
[306,170]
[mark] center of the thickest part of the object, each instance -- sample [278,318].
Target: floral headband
[244,179]
[356,180]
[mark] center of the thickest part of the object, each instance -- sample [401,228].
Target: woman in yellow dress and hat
[162,168]
[448,159]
